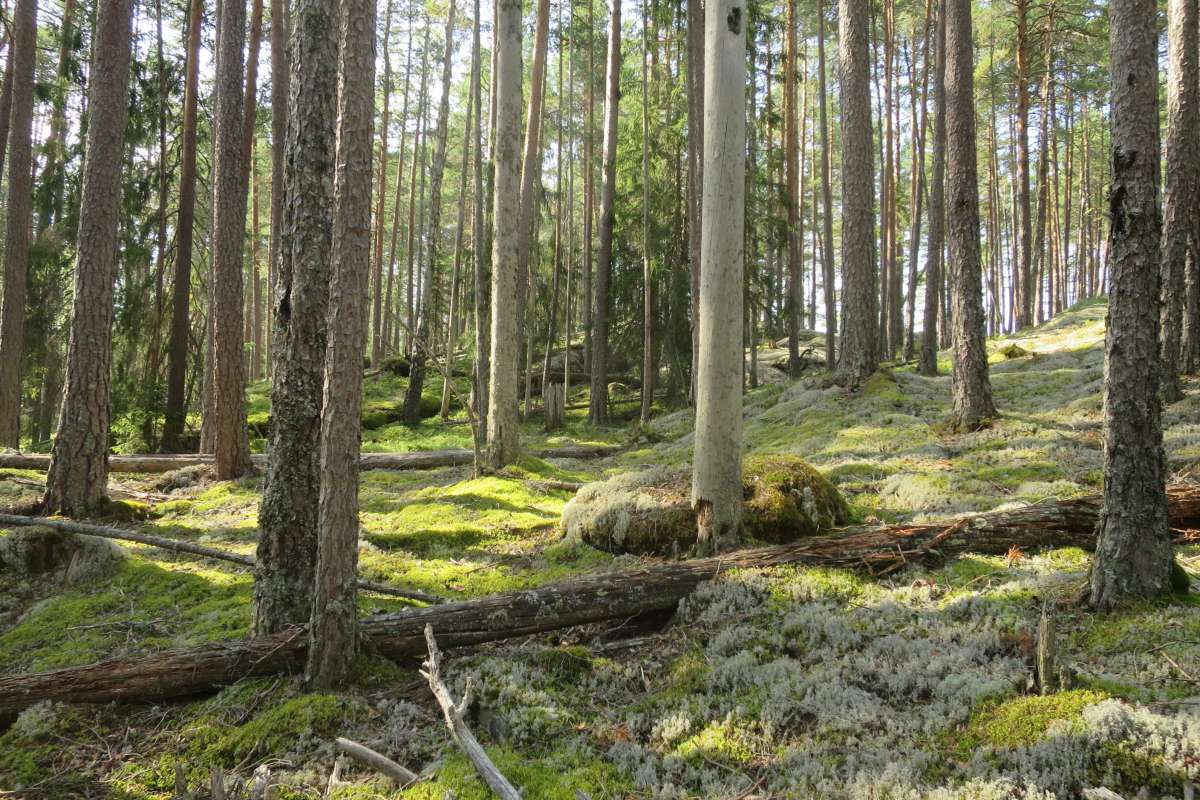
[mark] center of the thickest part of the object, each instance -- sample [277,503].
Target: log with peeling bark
[391,461]
[180,546]
[579,601]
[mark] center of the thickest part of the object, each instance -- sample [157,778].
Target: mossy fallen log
[579,601]
[393,461]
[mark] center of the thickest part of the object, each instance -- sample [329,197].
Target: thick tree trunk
[231,443]
[1181,214]
[598,406]
[287,548]
[502,430]
[937,210]
[177,358]
[972,390]
[859,297]
[17,211]
[579,601]
[430,301]
[717,469]
[333,634]
[78,474]
[1134,554]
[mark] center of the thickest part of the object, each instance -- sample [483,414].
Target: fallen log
[393,461]
[579,601]
[179,546]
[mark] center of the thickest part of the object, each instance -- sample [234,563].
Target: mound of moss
[650,512]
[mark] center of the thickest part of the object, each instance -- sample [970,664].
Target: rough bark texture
[280,89]
[502,431]
[333,633]
[429,295]
[579,601]
[598,408]
[859,296]
[288,515]
[1181,213]
[937,210]
[231,442]
[717,467]
[177,358]
[17,210]
[1133,556]
[78,475]
[972,390]
[827,263]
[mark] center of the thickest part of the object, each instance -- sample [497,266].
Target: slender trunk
[920,125]
[280,86]
[389,299]
[1024,243]
[827,264]
[452,321]
[377,347]
[479,266]
[647,279]
[937,212]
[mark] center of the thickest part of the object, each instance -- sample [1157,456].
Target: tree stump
[555,403]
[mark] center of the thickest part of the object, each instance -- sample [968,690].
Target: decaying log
[377,761]
[453,712]
[391,461]
[178,546]
[579,601]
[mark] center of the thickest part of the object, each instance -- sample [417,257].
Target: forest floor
[786,682]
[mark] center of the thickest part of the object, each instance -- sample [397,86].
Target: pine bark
[478,258]
[1181,203]
[973,404]
[827,262]
[287,547]
[647,278]
[377,309]
[937,210]
[280,89]
[1024,240]
[1134,552]
[18,210]
[859,296]
[502,431]
[717,469]
[695,122]
[231,443]
[333,630]
[78,477]
[598,401]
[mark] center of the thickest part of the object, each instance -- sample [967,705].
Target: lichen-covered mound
[650,511]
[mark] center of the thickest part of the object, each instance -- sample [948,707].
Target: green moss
[285,727]
[566,664]
[554,774]
[785,498]
[720,742]
[1021,721]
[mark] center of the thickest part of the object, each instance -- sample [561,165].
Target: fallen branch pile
[391,461]
[579,601]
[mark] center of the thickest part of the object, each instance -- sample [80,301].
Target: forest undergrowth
[786,682]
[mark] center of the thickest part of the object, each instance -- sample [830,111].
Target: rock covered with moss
[650,511]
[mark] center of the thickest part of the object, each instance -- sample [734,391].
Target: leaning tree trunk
[231,442]
[859,298]
[429,293]
[578,601]
[1133,555]
[717,471]
[333,632]
[78,475]
[598,401]
[287,548]
[972,390]
[18,209]
[1181,215]
[502,431]
[937,210]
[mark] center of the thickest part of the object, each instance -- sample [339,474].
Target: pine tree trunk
[377,347]
[937,211]
[78,477]
[1024,256]
[502,431]
[280,87]
[17,211]
[1134,551]
[972,390]
[647,278]
[479,265]
[717,471]
[287,546]
[333,631]
[1181,216]
[176,412]
[455,306]
[827,262]
[695,124]
[430,301]
[859,297]
[920,126]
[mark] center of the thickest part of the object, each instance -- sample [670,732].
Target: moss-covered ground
[789,682]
